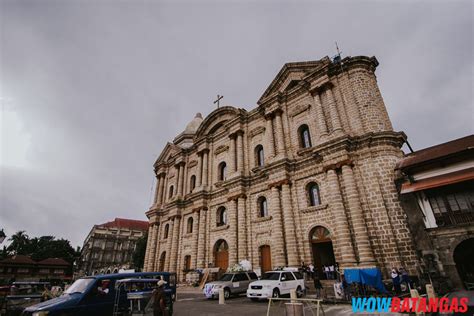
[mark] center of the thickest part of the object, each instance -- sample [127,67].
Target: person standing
[159,300]
[331,271]
[326,272]
[396,280]
[310,270]
[405,278]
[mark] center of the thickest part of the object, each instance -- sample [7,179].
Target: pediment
[167,153]
[290,76]
[216,120]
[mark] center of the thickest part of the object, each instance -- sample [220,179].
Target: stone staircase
[327,292]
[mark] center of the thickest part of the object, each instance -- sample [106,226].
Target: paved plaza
[194,304]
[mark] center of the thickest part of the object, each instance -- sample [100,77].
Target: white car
[276,283]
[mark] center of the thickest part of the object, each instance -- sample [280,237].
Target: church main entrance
[321,247]
[463,254]
[265,258]
[221,254]
[162,262]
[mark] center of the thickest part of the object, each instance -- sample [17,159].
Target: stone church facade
[307,175]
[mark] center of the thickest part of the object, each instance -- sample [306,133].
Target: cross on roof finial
[219,97]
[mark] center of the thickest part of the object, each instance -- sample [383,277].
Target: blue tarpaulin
[369,276]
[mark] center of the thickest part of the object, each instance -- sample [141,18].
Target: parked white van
[275,284]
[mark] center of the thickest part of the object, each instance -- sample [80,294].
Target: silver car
[232,283]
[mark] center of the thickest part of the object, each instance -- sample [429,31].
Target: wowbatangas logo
[408,305]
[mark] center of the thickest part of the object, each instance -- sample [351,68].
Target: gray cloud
[101,86]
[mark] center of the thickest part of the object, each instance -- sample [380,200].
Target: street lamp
[2,235]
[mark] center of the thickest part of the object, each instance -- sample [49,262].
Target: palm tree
[19,241]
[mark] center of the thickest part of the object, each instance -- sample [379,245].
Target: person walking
[159,300]
[345,288]
[317,284]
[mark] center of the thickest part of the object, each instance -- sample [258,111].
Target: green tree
[138,257]
[19,243]
[40,248]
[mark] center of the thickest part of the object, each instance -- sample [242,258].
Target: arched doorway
[462,255]
[321,247]
[161,265]
[187,263]
[221,254]
[265,258]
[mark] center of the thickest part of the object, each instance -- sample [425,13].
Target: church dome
[193,126]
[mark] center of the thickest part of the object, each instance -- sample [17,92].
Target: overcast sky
[91,91]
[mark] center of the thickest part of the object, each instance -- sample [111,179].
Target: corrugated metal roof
[436,152]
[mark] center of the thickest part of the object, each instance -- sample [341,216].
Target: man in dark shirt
[159,300]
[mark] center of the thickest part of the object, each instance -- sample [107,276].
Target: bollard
[221,297]
[430,291]
[293,295]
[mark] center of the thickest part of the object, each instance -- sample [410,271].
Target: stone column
[199,171]
[196,233]
[242,229]
[160,185]
[185,181]
[148,250]
[205,168]
[156,266]
[201,255]
[335,120]
[165,188]
[343,235]
[179,180]
[179,251]
[278,245]
[269,136]
[232,155]
[320,119]
[290,231]
[169,243]
[157,189]
[153,247]
[280,134]
[174,244]
[240,152]
[366,256]
[233,232]
[176,180]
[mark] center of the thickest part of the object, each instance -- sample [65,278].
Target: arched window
[313,194]
[167,228]
[170,194]
[259,156]
[190,225]
[262,206]
[222,171]
[305,138]
[192,183]
[221,216]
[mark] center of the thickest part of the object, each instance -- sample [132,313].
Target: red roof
[127,223]
[54,262]
[19,259]
[436,152]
